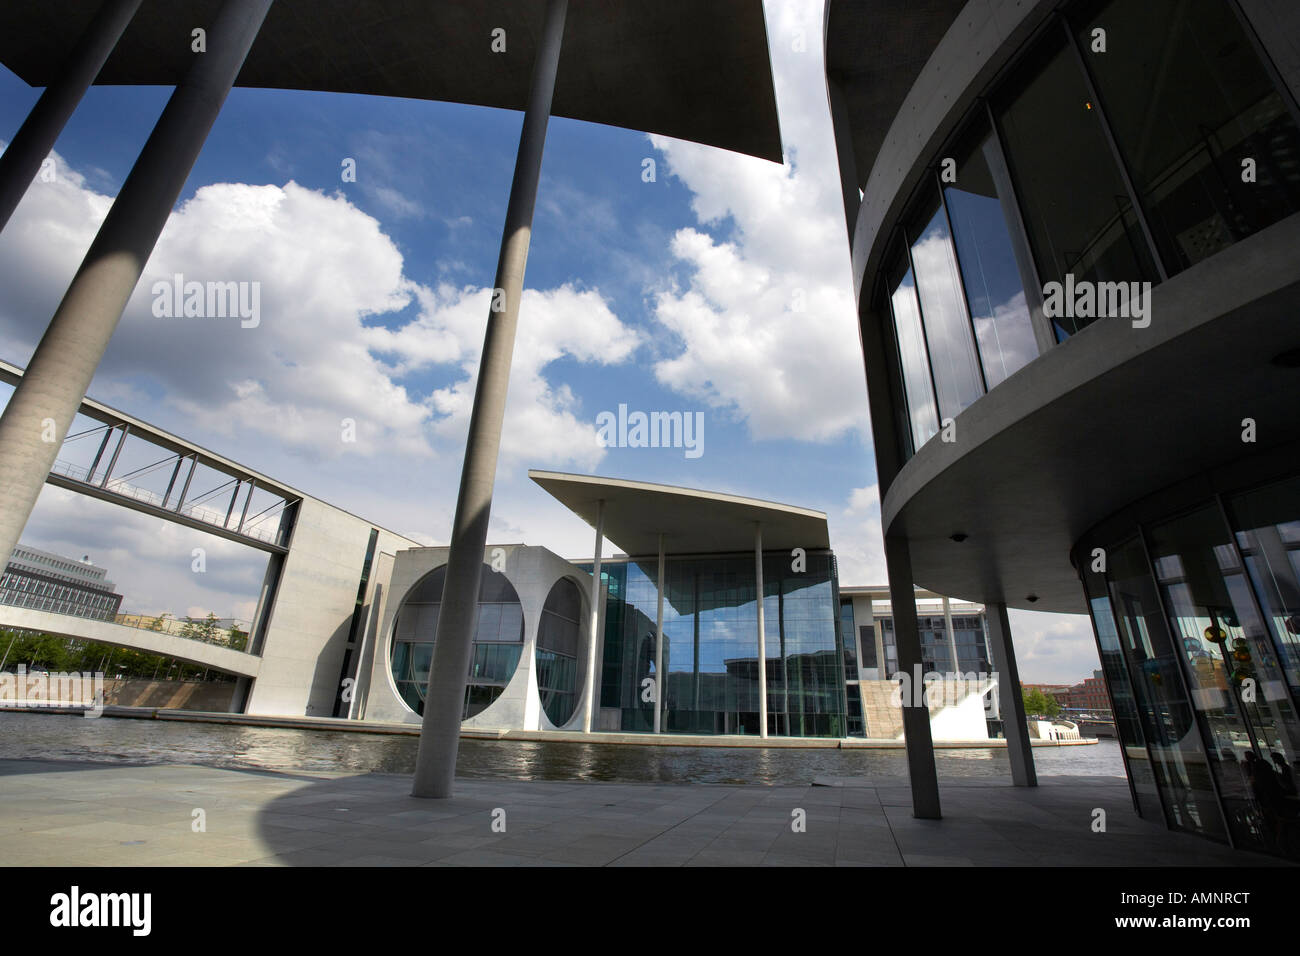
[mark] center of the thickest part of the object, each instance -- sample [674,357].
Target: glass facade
[710,649]
[1188,101]
[1082,165]
[558,640]
[936,651]
[498,640]
[991,271]
[1196,625]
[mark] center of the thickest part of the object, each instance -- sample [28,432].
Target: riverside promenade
[77,813]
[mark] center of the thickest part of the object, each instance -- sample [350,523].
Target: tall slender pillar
[952,636]
[55,382]
[1011,702]
[435,764]
[762,635]
[589,692]
[36,137]
[661,685]
[916,715]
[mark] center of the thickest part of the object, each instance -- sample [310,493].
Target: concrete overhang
[1111,416]
[691,521]
[696,70]
[875,50]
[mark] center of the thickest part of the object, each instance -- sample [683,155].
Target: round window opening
[498,640]
[558,635]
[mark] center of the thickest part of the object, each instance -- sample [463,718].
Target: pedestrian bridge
[137,639]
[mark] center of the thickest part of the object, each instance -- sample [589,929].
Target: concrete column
[55,382]
[660,683]
[916,716]
[1011,703]
[36,137]
[762,635]
[952,637]
[435,765]
[589,691]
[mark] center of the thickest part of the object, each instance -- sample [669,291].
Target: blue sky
[721,288]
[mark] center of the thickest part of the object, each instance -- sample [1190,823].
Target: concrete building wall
[302,653]
[532,571]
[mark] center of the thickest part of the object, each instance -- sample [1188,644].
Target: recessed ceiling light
[1031,598]
[1288,359]
[959,537]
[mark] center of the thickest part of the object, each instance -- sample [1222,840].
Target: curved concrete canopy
[690,69]
[1112,415]
[692,521]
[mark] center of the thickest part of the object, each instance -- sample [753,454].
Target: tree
[1036,702]
[236,638]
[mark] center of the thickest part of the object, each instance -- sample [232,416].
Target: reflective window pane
[1128,726]
[1188,100]
[1267,526]
[914,359]
[497,643]
[1237,687]
[1182,772]
[943,311]
[1073,200]
[994,289]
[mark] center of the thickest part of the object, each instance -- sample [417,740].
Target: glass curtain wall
[1120,165]
[1196,625]
[992,272]
[1129,719]
[1076,208]
[1189,102]
[710,656]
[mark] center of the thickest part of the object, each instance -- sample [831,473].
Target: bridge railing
[197,512]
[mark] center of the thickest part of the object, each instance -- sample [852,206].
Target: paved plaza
[102,814]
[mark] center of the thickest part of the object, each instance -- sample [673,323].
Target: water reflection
[36,736]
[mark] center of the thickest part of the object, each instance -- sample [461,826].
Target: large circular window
[557,651]
[498,640]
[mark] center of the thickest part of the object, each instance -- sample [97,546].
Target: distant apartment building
[954,641]
[1087,697]
[53,582]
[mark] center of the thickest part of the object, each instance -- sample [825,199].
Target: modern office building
[680,602]
[52,582]
[954,653]
[1074,239]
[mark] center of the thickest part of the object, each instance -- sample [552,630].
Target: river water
[119,740]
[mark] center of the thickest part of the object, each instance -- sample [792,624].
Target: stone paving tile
[101,814]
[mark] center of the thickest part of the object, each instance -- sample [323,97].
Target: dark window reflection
[1128,725]
[1267,523]
[1237,686]
[1074,202]
[558,633]
[498,639]
[1188,101]
[1168,721]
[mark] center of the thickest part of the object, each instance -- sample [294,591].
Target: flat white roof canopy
[691,521]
